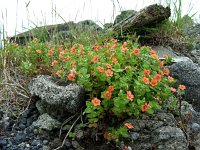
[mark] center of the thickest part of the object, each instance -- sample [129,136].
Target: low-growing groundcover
[122,79]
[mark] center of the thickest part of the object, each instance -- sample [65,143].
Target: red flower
[111,88]
[114,60]
[182,87]
[146,72]
[129,95]
[154,82]
[107,95]
[145,107]
[136,51]
[100,69]
[95,59]
[124,49]
[166,71]
[96,47]
[157,77]
[96,102]
[129,125]
[54,63]
[161,63]
[73,50]
[155,56]
[171,79]
[71,75]
[173,89]
[109,66]
[50,52]
[145,80]
[109,73]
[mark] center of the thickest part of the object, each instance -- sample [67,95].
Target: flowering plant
[122,79]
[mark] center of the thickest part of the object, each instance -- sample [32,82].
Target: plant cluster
[121,79]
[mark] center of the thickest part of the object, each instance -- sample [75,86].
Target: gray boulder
[46,122]
[188,73]
[158,132]
[195,54]
[168,137]
[56,98]
[124,15]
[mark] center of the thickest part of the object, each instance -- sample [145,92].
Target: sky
[17,16]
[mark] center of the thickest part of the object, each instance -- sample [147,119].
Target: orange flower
[182,87]
[113,46]
[146,72]
[155,56]
[125,44]
[96,47]
[107,95]
[154,82]
[58,72]
[124,49]
[145,107]
[38,51]
[129,125]
[145,80]
[136,51]
[95,59]
[96,102]
[73,64]
[109,66]
[171,79]
[111,88]
[54,63]
[161,63]
[101,69]
[114,60]
[157,77]
[129,95]
[50,52]
[109,73]
[166,71]
[173,89]
[71,76]
[73,50]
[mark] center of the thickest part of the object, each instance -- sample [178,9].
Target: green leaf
[154,104]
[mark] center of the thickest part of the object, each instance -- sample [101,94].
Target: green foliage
[121,79]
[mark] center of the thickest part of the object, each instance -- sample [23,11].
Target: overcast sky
[20,15]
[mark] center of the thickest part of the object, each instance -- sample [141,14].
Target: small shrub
[121,79]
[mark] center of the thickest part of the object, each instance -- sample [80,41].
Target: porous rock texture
[159,132]
[56,98]
[188,73]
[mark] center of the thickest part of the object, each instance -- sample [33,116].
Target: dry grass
[14,96]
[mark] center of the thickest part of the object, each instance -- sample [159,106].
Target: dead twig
[68,132]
